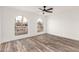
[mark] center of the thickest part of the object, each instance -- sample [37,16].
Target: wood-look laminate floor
[41,43]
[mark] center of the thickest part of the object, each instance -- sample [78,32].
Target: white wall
[1,13]
[0,24]
[8,26]
[65,23]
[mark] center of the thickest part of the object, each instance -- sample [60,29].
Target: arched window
[21,25]
[40,25]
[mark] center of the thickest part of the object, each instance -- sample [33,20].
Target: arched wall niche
[40,26]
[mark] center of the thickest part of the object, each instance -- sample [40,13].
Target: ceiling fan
[44,9]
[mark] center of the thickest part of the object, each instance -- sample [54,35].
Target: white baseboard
[17,38]
[72,38]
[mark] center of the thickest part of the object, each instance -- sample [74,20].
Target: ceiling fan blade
[50,9]
[40,9]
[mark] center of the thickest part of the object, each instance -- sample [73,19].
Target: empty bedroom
[39,28]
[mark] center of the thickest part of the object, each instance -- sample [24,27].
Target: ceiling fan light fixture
[44,9]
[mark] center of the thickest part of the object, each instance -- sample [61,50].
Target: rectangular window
[21,26]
